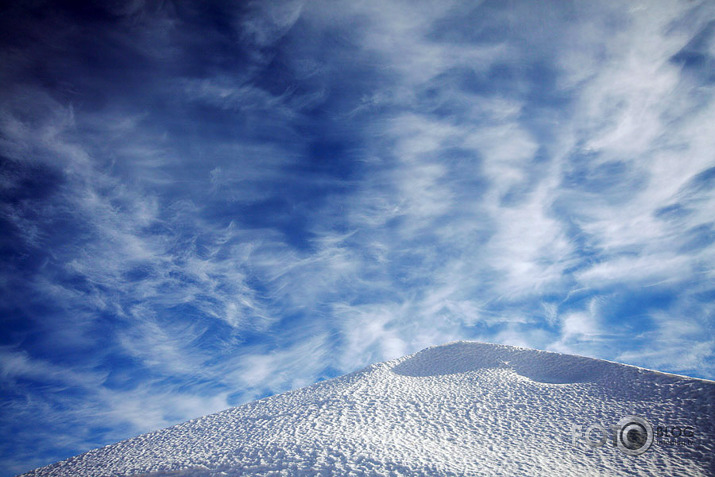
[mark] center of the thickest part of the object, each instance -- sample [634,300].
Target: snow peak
[633,435]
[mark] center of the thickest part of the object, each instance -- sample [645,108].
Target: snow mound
[538,366]
[461,408]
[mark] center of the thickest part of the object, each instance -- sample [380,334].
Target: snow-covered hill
[459,409]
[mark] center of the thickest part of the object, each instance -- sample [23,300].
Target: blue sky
[205,203]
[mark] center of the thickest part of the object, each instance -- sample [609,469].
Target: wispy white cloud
[580,328]
[616,141]
[268,23]
[679,339]
[261,371]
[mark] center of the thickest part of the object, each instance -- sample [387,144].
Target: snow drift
[462,408]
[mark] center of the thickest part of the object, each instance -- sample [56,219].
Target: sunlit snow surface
[461,408]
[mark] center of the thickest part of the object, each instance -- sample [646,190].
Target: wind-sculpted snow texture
[459,409]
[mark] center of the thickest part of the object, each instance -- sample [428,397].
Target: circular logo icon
[635,435]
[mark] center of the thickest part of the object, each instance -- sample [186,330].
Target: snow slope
[461,408]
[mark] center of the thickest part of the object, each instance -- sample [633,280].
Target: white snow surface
[463,408]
